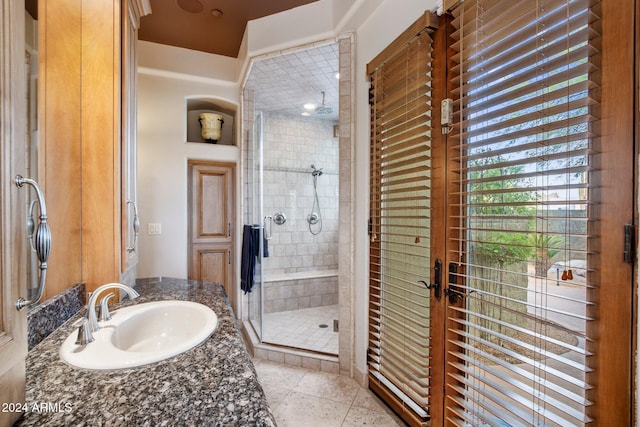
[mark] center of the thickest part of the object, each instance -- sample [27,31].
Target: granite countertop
[213,384]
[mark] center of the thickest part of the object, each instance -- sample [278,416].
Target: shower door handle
[268,234]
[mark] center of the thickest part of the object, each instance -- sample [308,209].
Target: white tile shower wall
[291,145]
[296,294]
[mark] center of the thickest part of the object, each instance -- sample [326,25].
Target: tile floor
[301,397]
[301,329]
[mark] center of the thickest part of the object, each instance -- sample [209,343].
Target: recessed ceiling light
[306,113]
[309,106]
[217,13]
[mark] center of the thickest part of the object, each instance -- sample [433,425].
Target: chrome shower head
[324,108]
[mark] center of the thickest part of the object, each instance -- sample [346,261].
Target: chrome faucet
[103,308]
[91,309]
[90,323]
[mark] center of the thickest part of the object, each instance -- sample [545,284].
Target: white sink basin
[142,334]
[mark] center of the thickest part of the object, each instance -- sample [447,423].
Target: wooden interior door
[211,223]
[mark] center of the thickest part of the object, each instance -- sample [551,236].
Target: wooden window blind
[526,78]
[399,327]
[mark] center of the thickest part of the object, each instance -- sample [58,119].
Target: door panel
[212,224]
[211,189]
[212,264]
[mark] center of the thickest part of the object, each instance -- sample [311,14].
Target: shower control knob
[313,218]
[279,218]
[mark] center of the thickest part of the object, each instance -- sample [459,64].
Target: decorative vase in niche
[211,125]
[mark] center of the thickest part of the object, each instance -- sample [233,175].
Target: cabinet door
[130,220]
[211,263]
[13,324]
[211,223]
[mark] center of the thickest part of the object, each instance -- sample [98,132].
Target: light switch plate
[154,228]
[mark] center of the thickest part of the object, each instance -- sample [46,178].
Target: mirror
[31,167]
[53,143]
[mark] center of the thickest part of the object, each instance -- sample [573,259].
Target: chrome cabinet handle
[42,239]
[135,224]
[31,224]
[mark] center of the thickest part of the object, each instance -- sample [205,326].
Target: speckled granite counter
[213,384]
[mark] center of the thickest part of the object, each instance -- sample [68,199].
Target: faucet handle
[84,333]
[103,308]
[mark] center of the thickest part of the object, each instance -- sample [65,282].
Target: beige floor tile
[279,375]
[275,394]
[302,397]
[367,417]
[367,399]
[330,386]
[299,409]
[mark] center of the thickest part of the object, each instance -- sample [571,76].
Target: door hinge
[229,230]
[229,257]
[629,239]
[446,115]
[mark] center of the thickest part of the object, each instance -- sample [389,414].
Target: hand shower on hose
[315,217]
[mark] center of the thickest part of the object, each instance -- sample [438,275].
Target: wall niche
[198,105]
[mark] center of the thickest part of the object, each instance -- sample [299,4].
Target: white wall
[302,25]
[167,77]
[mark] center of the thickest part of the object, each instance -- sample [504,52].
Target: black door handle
[437,285]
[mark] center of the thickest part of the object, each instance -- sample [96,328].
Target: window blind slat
[520,73]
[510,126]
[398,103]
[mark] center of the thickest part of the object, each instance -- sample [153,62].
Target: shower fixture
[314,217]
[324,108]
[279,218]
[315,171]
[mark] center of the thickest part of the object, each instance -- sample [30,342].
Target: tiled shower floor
[301,329]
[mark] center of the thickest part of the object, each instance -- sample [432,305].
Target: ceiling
[213,26]
[284,83]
